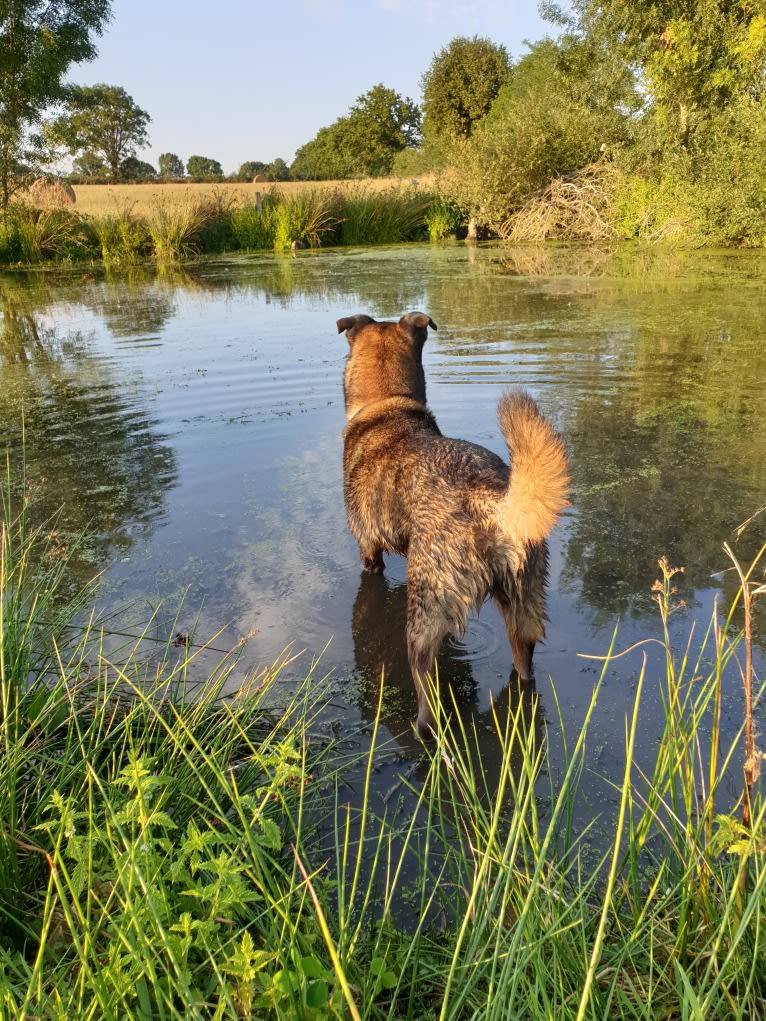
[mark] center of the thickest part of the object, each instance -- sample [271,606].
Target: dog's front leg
[372,558]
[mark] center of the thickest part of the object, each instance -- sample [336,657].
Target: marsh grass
[31,235]
[170,850]
[177,227]
[123,236]
[306,217]
[390,217]
[177,231]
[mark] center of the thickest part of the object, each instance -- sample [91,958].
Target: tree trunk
[683,123]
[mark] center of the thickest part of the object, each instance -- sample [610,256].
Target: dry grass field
[143,199]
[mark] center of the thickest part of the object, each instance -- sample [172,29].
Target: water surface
[191,422]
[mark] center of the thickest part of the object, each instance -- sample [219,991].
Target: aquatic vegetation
[168,851]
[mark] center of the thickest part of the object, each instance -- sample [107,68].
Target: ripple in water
[479,641]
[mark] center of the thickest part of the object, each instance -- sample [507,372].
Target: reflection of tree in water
[668,463]
[92,459]
[138,303]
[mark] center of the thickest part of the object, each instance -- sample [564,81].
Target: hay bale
[260,179]
[51,193]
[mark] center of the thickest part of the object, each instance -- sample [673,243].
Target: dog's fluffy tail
[539,482]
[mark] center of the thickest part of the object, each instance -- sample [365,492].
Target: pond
[191,421]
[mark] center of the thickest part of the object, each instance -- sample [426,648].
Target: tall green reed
[177,232]
[385,217]
[123,236]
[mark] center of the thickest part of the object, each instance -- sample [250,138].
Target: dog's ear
[416,321]
[353,323]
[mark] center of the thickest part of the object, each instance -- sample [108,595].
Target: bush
[123,237]
[383,217]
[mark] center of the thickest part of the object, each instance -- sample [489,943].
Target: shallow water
[191,421]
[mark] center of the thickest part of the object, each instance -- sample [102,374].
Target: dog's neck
[398,402]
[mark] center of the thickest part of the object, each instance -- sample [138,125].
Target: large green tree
[203,166]
[170,165]
[39,41]
[692,57]
[460,86]
[102,120]
[365,142]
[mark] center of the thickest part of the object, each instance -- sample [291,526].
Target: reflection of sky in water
[224,415]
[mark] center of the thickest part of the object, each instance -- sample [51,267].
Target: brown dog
[469,526]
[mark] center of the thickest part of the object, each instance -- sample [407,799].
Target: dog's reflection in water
[380,647]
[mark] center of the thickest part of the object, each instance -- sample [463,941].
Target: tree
[365,142]
[39,41]
[250,169]
[278,170]
[102,120]
[89,165]
[134,169]
[170,165]
[203,166]
[326,157]
[692,57]
[460,86]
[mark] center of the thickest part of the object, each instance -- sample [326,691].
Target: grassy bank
[123,225]
[168,856]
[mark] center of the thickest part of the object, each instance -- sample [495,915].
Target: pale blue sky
[240,81]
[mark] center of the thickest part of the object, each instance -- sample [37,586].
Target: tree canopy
[39,41]
[461,84]
[692,57]
[104,121]
[203,166]
[365,142]
[170,165]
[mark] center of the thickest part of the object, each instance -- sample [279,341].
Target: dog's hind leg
[426,630]
[525,628]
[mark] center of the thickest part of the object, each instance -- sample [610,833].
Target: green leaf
[311,967]
[270,835]
[317,994]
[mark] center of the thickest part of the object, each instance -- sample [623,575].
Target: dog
[470,526]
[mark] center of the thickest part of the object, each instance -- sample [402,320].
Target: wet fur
[470,527]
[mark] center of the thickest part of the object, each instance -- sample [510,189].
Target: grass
[170,852]
[121,225]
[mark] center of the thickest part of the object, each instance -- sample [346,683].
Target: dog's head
[384,359]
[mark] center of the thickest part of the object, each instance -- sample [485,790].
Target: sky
[237,81]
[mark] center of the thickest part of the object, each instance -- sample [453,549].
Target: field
[107,199]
